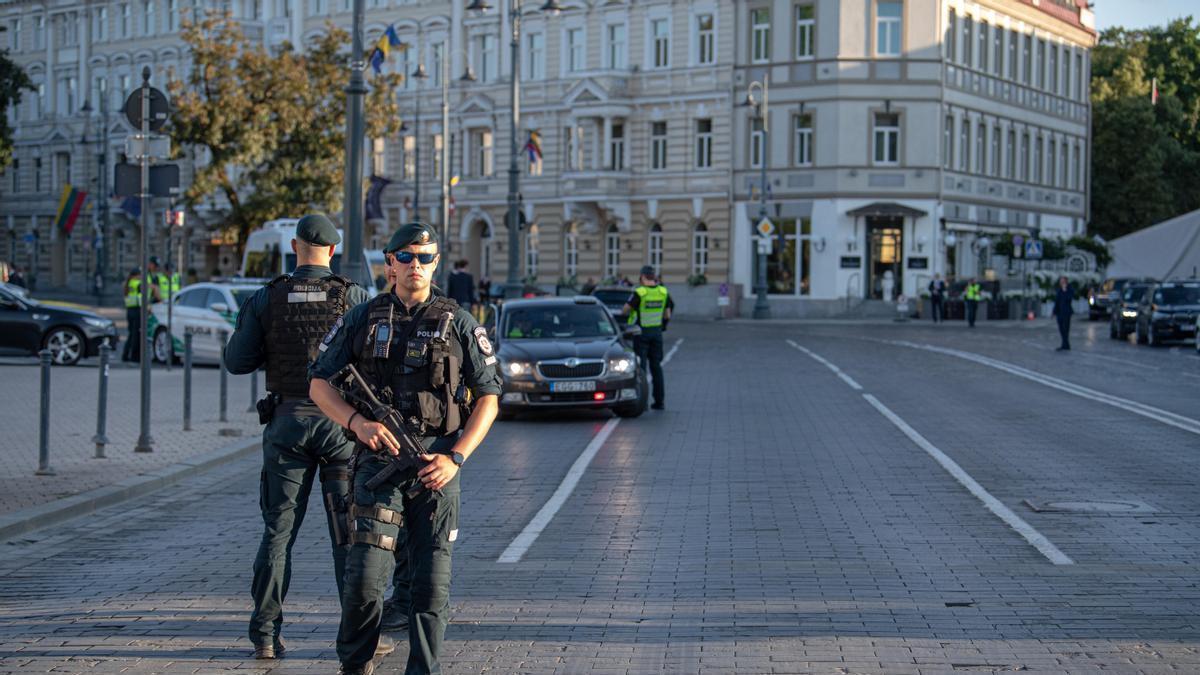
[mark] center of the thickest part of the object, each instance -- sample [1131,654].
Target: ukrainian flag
[69,206]
[387,41]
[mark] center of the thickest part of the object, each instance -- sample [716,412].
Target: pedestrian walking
[972,295]
[133,316]
[937,298]
[280,327]
[649,306]
[16,278]
[1064,295]
[416,344]
[460,286]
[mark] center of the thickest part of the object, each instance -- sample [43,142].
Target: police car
[206,310]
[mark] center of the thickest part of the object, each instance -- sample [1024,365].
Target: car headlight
[1128,314]
[97,323]
[620,365]
[516,368]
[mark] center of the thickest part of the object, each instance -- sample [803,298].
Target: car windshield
[557,322]
[613,298]
[1178,295]
[1134,293]
[241,295]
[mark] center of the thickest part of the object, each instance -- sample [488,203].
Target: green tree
[268,128]
[13,81]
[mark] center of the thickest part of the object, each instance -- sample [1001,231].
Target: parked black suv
[1168,312]
[1123,319]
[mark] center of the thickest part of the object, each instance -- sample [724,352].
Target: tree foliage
[1145,157]
[13,81]
[268,127]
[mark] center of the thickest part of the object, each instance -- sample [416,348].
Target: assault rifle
[351,385]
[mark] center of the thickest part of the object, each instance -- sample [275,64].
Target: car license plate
[567,387]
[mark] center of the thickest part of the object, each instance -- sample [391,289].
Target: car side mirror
[219,307]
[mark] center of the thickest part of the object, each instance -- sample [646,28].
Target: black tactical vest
[418,369]
[299,314]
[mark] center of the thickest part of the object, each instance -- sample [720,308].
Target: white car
[206,310]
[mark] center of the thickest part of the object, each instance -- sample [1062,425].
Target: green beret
[411,233]
[316,229]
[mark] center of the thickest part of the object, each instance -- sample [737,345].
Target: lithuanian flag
[69,206]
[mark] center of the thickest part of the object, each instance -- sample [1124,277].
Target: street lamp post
[512,284]
[355,92]
[420,75]
[762,309]
[444,177]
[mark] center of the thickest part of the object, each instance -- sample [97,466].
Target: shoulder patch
[481,338]
[337,325]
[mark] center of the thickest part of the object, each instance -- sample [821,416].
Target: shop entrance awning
[887,210]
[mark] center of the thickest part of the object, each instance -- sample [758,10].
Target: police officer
[972,295]
[650,307]
[439,368]
[281,326]
[133,316]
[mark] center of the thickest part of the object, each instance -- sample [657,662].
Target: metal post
[145,443]
[224,403]
[512,285]
[444,179]
[355,91]
[762,310]
[170,312]
[417,145]
[44,419]
[253,392]
[102,204]
[101,437]
[187,381]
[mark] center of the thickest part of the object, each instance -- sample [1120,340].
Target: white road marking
[837,371]
[1158,414]
[525,539]
[1039,541]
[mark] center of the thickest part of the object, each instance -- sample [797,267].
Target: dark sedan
[566,353]
[1124,313]
[1102,301]
[27,326]
[1168,312]
[614,298]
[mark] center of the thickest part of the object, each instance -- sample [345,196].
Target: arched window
[571,250]
[612,252]
[654,248]
[531,251]
[700,249]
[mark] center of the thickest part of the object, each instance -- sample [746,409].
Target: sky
[1142,13]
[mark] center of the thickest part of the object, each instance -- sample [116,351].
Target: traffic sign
[160,109]
[1018,245]
[154,147]
[765,227]
[764,245]
[1033,249]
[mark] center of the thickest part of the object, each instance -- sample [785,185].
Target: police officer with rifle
[420,398]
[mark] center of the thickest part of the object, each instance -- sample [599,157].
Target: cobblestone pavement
[772,520]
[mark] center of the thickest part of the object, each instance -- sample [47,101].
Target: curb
[84,503]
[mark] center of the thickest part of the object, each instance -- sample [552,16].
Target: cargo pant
[428,529]
[295,450]
[649,346]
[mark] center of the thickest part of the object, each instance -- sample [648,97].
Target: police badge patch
[331,334]
[481,338]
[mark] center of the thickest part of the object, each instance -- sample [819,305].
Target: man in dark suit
[460,287]
[1063,295]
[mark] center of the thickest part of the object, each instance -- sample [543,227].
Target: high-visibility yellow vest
[973,292]
[652,303]
[167,285]
[133,293]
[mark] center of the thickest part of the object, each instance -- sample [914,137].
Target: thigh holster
[379,513]
[338,505]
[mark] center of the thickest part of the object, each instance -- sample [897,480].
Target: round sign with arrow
[160,109]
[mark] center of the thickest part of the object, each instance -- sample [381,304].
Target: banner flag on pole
[69,206]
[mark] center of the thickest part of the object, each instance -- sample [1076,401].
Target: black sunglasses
[406,257]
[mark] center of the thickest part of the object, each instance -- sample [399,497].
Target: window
[14,32]
[1039,74]
[37,174]
[573,142]
[704,144]
[403,65]
[654,248]
[100,24]
[805,26]
[1023,161]
[378,157]
[757,143]
[700,249]
[952,36]
[983,45]
[617,147]
[39,31]
[436,51]
[791,260]
[1052,164]
[658,146]
[616,46]
[887,138]
[948,143]
[16,175]
[760,35]
[705,37]
[1010,155]
[532,242]
[964,146]
[1078,168]
[408,167]
[147,17]
[67,93]
[1064,173]
[1027,58]
[172,15]
[1037,160]
[318,7]
[1054,68]
[980,148]
[660,32]
[888,15]
[535,67]
[968,46]
[125,19]
[99,90]
[804,140]
[486,49]
[996,151]
[1012,54]
[41,100]
[1078,77]
[571,251]
[998,50]
[1066,73]
[612,252]
[575,50]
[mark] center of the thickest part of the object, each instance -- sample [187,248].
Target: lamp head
[479,6]
[552,7]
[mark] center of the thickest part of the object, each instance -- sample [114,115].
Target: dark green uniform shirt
[247,351]
[341,346]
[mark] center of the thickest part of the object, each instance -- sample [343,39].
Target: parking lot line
[525,539]
[1037,539]
[837,371]
[1166,417]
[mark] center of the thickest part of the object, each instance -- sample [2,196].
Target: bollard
[187,381]
[101,437]
[253,392]
[224,380]
[44,426]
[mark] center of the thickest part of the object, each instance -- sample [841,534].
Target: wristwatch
[457,458]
